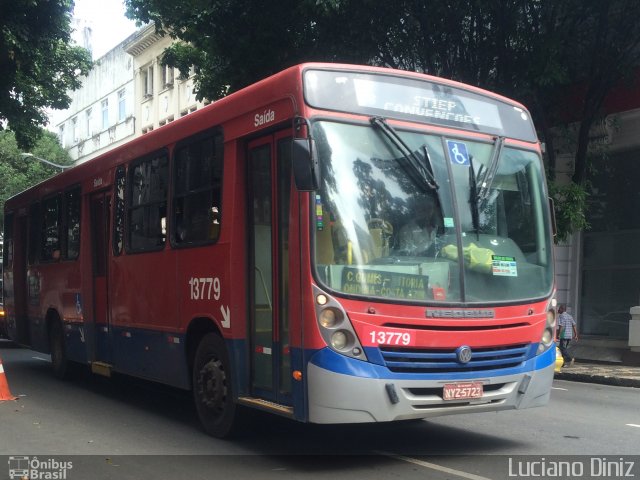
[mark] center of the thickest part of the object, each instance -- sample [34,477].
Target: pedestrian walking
[567,332]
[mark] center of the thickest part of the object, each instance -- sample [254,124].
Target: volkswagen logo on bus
[464,354]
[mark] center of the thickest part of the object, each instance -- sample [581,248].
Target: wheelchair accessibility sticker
[458,153]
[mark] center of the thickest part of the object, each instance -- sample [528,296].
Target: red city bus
[334,244]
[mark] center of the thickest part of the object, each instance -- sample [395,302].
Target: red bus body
[144,309]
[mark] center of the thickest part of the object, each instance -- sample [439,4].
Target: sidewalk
[605,374]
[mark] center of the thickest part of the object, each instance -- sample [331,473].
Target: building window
[122,105]
[147,81]
[167,76]
[87,121]
[105,113]
[197,191]
[147,206]
[61,134]
[74,129]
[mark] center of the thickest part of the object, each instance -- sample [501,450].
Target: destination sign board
[385,284]
[425,101]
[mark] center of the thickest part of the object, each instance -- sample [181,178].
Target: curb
[599,379]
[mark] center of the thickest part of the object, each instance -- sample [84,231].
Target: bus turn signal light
[297,375]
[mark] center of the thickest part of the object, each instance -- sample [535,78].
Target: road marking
[633,425]
[41,359]
[433,466]
[558,388]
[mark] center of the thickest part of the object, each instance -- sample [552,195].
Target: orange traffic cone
[5,394]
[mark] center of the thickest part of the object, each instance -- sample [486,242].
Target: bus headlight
[329,317]
[339,340]
[548,334]
[335,327]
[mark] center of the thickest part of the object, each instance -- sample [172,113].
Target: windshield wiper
[417,171]
[490,175]
[473,196]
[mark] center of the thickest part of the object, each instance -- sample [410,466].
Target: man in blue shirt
[567,331]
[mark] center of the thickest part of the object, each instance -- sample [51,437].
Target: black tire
[212,387]
[59,361]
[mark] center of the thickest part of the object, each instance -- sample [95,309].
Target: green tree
[38,64]
[18,173]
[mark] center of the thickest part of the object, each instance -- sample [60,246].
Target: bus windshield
[382,230]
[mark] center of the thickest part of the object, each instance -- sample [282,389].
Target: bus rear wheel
[212,389]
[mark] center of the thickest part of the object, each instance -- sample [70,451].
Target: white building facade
[161,94]
[100,116]
[128,93]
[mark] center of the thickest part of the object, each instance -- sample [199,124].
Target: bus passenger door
[100,203]
[268,201]
[20,282]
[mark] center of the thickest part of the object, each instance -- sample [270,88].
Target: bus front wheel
[212,390]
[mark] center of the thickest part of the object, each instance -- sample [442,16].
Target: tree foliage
[38,64]
[560,58]
[18,173]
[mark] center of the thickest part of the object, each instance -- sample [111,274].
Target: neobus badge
[265,117]
[97,182]
[460,314]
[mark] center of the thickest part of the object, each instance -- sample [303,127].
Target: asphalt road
[124,428]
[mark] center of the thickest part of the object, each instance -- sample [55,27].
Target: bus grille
[406,360]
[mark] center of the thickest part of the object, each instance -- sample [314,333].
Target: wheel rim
[212,386]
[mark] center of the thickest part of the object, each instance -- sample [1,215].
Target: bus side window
[148,203]
[34,233]
[119,211]
[50,245]
[71,220]
[7,259]
[197,191]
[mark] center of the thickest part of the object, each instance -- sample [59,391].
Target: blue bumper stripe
[334,362]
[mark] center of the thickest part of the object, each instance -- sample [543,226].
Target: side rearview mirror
[552,212]
[304,161]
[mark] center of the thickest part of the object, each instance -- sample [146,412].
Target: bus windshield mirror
[421,175]
[304,162]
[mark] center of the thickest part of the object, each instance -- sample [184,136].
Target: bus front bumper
[337,397]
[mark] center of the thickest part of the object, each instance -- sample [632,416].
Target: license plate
[462,391]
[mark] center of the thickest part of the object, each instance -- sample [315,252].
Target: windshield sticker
[504,266]
[319,215]
[458,154]
[448,222]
